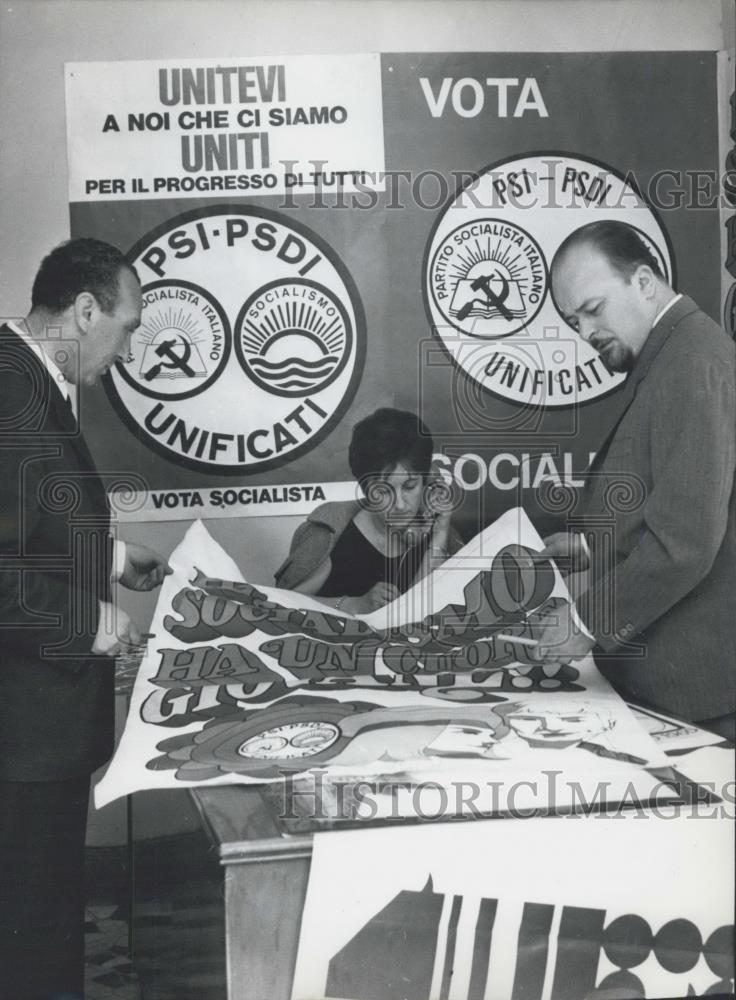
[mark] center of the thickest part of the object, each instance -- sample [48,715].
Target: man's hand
[568,551]
[144,568]
[380,593]
[116,631]
[560,639]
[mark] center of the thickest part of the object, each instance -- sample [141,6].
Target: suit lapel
[653,345]
[658,337]
[57,408]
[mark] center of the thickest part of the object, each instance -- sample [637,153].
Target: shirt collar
[57,376]
[666,308]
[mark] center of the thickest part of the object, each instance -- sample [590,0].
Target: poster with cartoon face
[247,684]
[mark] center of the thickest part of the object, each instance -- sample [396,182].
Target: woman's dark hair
[83,265]
[386,438]
[619,243]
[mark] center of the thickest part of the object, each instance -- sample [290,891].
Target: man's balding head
[620,244]
[609,287]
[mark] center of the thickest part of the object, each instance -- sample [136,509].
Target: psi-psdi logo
[486,275]
[250,345]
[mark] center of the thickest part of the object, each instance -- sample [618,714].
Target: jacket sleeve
[309,546]
[692,416]
[284,574]
[47,599]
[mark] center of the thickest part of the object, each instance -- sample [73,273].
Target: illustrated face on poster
[547,725]
[527,725]
[252,684]
[299,733]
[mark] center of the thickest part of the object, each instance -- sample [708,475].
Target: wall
[38,36]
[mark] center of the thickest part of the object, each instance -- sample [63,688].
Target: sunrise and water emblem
[293,337]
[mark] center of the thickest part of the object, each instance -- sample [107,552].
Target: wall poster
[318,236]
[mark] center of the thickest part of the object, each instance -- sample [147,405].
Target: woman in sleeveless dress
[359,555]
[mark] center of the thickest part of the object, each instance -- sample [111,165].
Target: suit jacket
[659,506]
[56,700]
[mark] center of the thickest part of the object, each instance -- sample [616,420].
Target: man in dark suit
[659,499]
[58,627]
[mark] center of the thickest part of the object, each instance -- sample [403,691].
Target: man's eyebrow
[586,305]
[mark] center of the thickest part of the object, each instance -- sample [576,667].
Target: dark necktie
[69,408]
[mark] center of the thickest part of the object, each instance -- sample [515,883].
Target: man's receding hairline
[579,244]
[128,268]
[590,243]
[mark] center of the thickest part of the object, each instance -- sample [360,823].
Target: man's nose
[586,328]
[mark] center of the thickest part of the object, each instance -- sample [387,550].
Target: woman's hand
[380,593]
[440,535]
[438,493]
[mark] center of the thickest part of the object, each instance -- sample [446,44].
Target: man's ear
[646,281]
[86,308]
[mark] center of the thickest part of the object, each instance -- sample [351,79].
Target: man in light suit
[659,500]
[58,628]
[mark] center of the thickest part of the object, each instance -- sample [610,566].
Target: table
[264,864]
[265,874]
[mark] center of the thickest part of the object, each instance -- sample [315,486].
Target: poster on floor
[539,909]
[247,684]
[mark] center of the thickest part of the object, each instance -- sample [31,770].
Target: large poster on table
[321,235]
[244,684]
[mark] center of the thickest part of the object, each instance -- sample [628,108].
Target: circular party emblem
[486,275]
[294,337]
[489,278]
[251,341]
[182,344]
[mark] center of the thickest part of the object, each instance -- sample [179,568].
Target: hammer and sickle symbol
[177,361]
[497,299]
